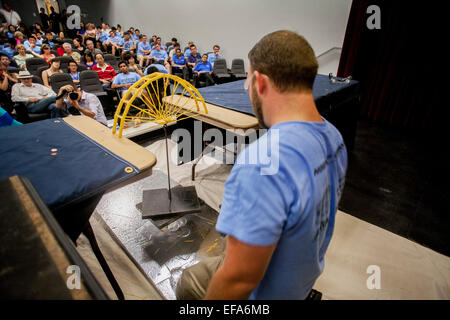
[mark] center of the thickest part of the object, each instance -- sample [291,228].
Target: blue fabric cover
[81,168]
[233,96]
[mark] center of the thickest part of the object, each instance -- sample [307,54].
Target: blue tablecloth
[64,165]
[233,96]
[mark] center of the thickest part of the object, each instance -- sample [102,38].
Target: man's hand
[32,100]
[104,81]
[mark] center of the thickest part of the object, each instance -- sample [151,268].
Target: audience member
[11,16]
[154,66]
[172,45]
[112,43]
[30,45]
[132,64]
[88,60]
[143,51]
[90,48]
[187,52]
[53,19]
[203,71]
[77,45]
[22,56]
[125,79]
[39,38]
[159,56]
[173,50]
[6,61]
[49,40]
[55,65]
[7,80]
[45,53]
[179,63]
[10,49]
[105,72]
[192,59]
[85,104]
[74,73]
[36,97]
[69,53]
[18,36]
[214,55]
[128,46]
[44,18]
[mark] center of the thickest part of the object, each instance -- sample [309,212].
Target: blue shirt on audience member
[9,52]
[36,49]
[103,36]
[203,67]
[75,76]
[160,67]
[143,46]
[212,57]
[180,61]
[127,45]
[116,39]
[194,59]
[160,55]
[129,78]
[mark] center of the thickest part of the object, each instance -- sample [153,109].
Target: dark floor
[389,184]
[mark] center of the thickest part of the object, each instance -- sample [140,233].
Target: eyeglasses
[247,83]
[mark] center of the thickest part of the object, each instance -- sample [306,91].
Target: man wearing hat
[36,97]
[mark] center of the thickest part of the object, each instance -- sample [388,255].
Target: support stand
[179,200]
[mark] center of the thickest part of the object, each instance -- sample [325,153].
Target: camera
[73,95]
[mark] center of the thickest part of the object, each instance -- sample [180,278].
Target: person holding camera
[74,101]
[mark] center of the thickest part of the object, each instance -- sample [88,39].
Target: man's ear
[261,82]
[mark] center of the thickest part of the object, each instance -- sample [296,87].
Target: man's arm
[243,268]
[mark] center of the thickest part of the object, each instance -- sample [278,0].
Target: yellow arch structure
[152,91]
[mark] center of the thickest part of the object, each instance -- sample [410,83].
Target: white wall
[236,25]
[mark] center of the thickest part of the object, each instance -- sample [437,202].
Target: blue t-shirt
[36,49]
[212,57]
[129,78]
[9,52]
[203,67]
[127,45]
[193,59]
[75,76]
[103,36]
[160,67]
[143,46]
[160,55]
[180,61]
[290,198]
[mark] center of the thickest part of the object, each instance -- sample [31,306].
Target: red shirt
[105,73]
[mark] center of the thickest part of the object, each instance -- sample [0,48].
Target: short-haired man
[30,45]
[74,73]
[36,97]
[49,40]
[143,51]
[214,55]
[179,63]
[187,52]
[86,104]
[128,46]
[192,59]
[91,49]
[69,53]
[278,213]
[203,71]
[172,45]
[159,56]
[105,72]
[113,42]
[11,16]
[125,79]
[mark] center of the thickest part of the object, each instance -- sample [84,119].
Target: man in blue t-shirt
[203,71]
[282,195]
[143,51]
[179,63]
[192,58]
[159,56]
[125,79]
[213,56]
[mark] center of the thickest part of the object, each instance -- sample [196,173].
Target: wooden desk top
[140,157]
[218,116]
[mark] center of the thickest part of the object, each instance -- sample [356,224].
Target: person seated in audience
[45,53]
[11,31]
[7,80]
[77,45]
[173,50]
[203,70]
[119,30]
[214,55]
[159,56]
[69,53]
[39,38]
[153,40]
[188,50]
[137,35]
[74,73]
[192,59]
[6,61]
[174,41]
[113,42]
[49,40]
[105,71]
[36,97]
[88,60]
[90,33]
[131,31]
[60,38]
[125,79]
[101,36]
[158,41]
[81,32]
[30,45]
[18,36]
[90,48]
[143,51]
[55,65]
[85,104]
[22,56]
[128,46]
[179,63]
[10,48]
[132,64]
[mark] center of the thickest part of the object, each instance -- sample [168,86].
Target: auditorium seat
[33,64]
[112,60]
[238,69]
[220,71]
[58,80]
[90,82]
